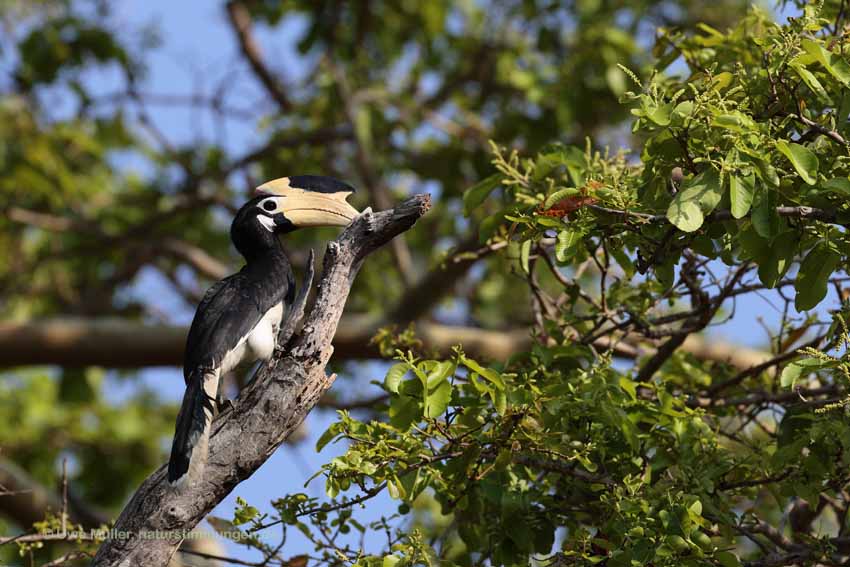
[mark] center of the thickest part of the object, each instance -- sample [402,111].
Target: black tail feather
[189,448]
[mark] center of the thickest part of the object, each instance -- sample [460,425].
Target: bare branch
[26,501]
[117,343]
[757,369]
[45,221]
[240,20]
[195,257]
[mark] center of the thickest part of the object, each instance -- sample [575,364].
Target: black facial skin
[249,235]
[282,224]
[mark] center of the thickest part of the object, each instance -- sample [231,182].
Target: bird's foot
[225,404]
[369,217]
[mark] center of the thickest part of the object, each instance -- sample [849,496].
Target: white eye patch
[267,222]
[269,205]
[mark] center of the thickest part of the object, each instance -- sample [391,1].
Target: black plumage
[239,317]
[233,307]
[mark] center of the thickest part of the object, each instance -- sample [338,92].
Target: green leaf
[549,222]
[328,436]
[665,272]
[722,80]
[839,186]
[695,508]
[524,254]
[438,399]
[682,112]
[767,172]
[625,262]
[780,255]
[476,194]
[764,170]
[500,401]
[811,81]
[394,376]
[567,245]
[792,372]
[698,197]
[616,79]
[686,215]
[439,373]
[765,219]
[741,189]
[490,225]
[843,111]
[558,155]
[735,121]
[727,559]
[813,277]
[660,114]
[404,412]
[803,160]
[244,512]
[75,385]
[393,490]
[832,62]
[487,373]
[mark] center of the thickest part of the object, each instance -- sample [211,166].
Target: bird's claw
[369,217]
[225,404]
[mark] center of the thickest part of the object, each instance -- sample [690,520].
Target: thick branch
[116,343]
[275,403]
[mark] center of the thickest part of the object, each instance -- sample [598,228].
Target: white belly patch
[258,344]
[263,336]
[233,358]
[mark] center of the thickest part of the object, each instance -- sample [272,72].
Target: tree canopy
[612,181]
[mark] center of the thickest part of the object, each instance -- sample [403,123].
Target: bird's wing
[228,312]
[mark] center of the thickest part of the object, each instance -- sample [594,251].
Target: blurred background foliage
[399,97]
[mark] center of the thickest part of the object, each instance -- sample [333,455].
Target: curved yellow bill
[305,207]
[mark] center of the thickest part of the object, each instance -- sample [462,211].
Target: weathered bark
[266,412]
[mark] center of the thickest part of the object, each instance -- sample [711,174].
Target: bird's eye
[269,206]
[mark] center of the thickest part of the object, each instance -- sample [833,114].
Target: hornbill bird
[238,319]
